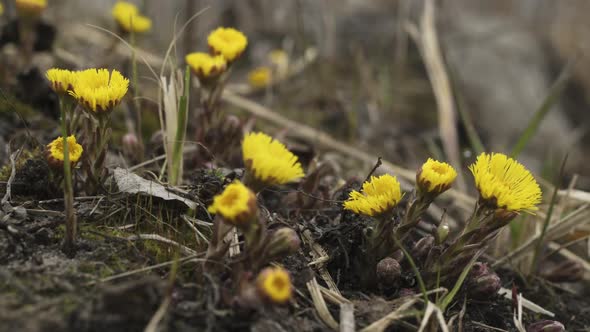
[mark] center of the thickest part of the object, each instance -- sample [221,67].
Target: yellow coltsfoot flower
[30,8]
[99,91]
[379,196]
[62,80]
[129,19]
[236,204]
[274,284]
[269,161]
[228,42]
[504,183]
[260,77]
[55,152]
[1,9]
[206,66]
[435,177]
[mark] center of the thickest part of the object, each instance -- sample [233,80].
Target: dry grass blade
[333,297]
[575,219]
[347,317]
[398,313]
[320,304]
[155,237]
[432,309]
[320,257]
[522,302]
[427,41]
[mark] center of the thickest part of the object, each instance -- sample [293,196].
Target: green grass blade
[534,123]
[539,245]
[444,303]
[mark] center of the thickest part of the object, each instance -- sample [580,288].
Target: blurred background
[363,77]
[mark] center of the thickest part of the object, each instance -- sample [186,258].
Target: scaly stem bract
[69,245]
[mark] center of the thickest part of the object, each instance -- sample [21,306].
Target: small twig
[7,195]
[377,164]
[398,313]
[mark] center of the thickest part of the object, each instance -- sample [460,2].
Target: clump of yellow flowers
[379,196]
[268,161]
[505,188]
[504,183]
[206,66]
[236,204]
[228,42]
[129,19]
[55,152]
[260,77]
[30,8]
[275,285]
[99,90]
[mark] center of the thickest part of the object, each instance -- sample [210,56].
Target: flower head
[269,161]
[274,284]
[206,66]
[435,177]
[30,8]
[128,18]
[228,42]
[236,204]
[55,151]
[380,195]
[98,90]
[260,77]
[1,9]
[62,80]
[504,183]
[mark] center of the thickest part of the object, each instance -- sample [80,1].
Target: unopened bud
[546,326]
[398,255]
[388,272]
[283,241]
[479,269]
[568,271]
[485,285]
[442,232]
[422,247]
[130,144]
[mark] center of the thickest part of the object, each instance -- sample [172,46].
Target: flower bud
[388,272]
[485,285]
[442,232]
[274,285]
[398,255]
[283,241]
[130,144]
[546,326]
[422,247]
[479,269]
[568,271]
[435,177]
